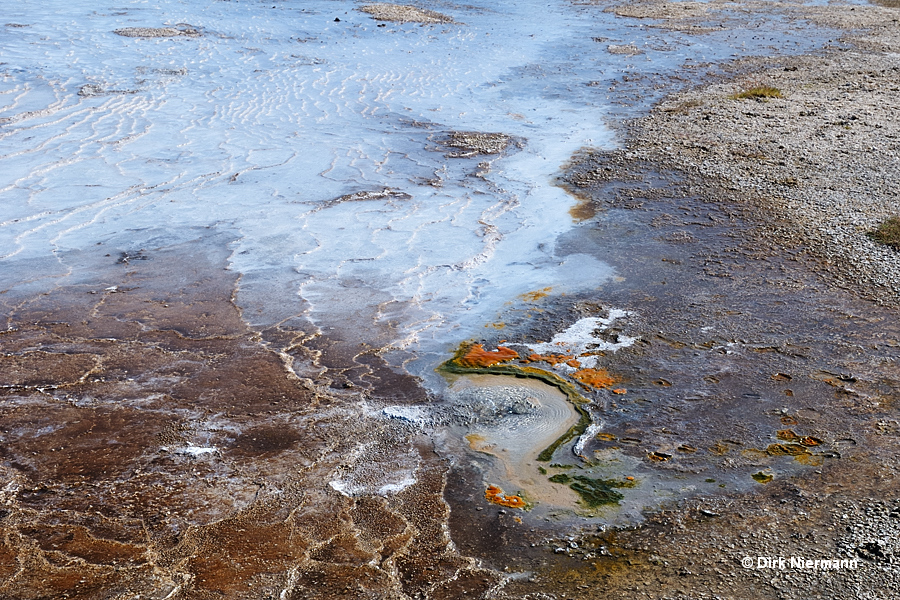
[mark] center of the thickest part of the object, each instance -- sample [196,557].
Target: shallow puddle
[528,417]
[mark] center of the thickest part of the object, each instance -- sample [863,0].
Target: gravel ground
[825,155]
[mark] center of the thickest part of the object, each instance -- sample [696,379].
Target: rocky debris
[872,533]
[364,196]
[823,155]
[158,32]
[690,17]
[400,13]
[474,143]
[179,72]
[743,548]
[91,90]
[373,195]
[625,49]
[669,11]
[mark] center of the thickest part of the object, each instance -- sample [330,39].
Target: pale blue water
[255,127]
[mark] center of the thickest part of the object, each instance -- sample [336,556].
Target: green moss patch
[888,233]
[762,477]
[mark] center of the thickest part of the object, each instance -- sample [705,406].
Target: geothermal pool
[327,144]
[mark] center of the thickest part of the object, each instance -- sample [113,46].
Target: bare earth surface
[155,446]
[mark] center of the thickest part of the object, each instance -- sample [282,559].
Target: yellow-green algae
[593,492]
[762,477]
[454,366]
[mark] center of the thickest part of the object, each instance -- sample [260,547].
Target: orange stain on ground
[477,356]
[536,295]
[596,378]
[787,435]
[495,494]
[552,359]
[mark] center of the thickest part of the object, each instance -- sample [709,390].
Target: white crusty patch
[411,414]
[195,451]
[352,489]
[589,433]
[581,338]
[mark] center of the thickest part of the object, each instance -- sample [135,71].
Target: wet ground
[197,410]
[756,412]
[154,447]
[154,444]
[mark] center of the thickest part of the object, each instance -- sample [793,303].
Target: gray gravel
[157,32]
[825,156]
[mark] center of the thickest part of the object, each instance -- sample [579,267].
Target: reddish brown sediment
[495,495]
[595,378]
[551,359]
[477,357]
[153,443]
